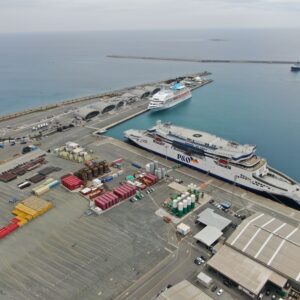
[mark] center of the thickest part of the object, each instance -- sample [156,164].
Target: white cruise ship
[218,157]
[167,98]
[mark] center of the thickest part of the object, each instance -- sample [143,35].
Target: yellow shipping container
[27,210]
[22,221]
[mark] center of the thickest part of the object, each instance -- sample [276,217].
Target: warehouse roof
[244,271]
[208,235]
[183,290]
[209,217]
[271,241]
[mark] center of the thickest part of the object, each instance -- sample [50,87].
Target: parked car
[227,283]
[220,292]
[198,260]
[214,288]
[260,296]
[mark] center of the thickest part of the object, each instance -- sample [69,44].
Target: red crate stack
[71,182]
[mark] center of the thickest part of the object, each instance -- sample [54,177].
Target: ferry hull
[273,196]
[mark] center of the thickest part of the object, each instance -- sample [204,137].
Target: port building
[183,290]
[262,249]
[209,218]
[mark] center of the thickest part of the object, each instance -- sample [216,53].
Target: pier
[196,60]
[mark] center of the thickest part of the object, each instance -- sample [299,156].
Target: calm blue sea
[255,104]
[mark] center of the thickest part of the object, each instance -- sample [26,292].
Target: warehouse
[183,290]
[271,242]
[99,108]
[209,217]
[249,275]
[208,235]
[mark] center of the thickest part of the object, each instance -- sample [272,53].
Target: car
[268,292]
[12,143]
[131,200]
[260,296]
[214,288]
[203,258]
[227,283]
[198,260]
[23,142]
[220,292]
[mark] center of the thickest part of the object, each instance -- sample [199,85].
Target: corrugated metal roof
[209,217]
[208,235]
[184,290]
[244,271]
[271,241]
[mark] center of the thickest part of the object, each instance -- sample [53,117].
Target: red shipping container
[14,220]
[8,229]
[110,196]
[151,177]
[130,189]
[119,193]
[107,200]
[71,182]
[100,204]
[125,191]
[113,197]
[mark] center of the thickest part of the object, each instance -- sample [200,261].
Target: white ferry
[167,98]
[218,157]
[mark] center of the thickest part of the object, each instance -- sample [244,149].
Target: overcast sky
[74,15]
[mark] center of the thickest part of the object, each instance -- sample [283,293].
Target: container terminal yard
[86,216]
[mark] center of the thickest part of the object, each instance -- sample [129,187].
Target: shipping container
[117,161]
[119,193]
[125,191]
[136,165]
[24,185]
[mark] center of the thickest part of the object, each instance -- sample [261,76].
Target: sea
[247,103]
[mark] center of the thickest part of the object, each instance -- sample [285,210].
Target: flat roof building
[208,235]
[271,242]
[250,275]
[210,218]
[183,290]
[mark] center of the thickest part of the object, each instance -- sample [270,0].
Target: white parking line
[268,239]
[256,233]
[242,231]
[280,246]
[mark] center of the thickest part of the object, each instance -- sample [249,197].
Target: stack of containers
[106,200]
[151,177]
[71,182]
[125,191]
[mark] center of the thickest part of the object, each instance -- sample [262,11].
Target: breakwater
[233,61]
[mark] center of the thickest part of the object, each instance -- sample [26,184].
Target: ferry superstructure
[169,97]
[218,157]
